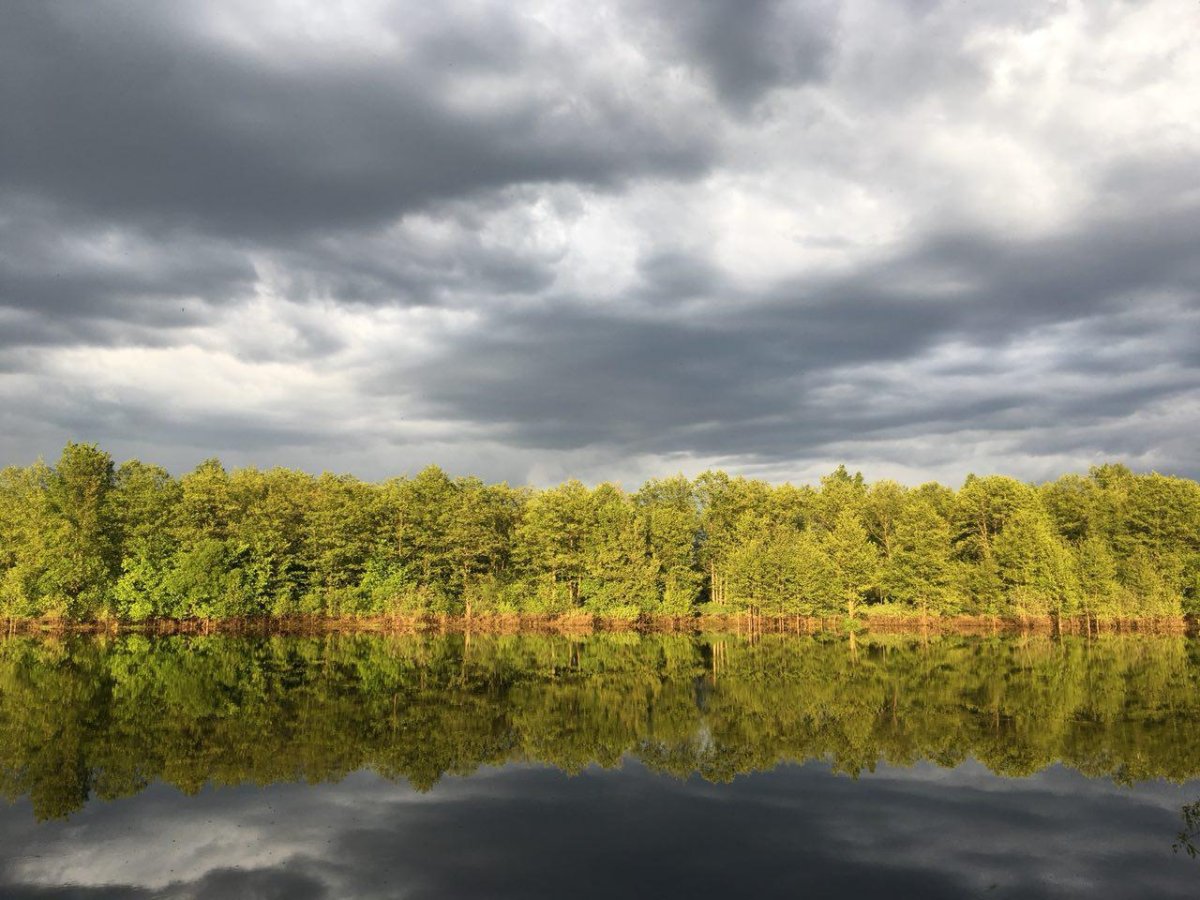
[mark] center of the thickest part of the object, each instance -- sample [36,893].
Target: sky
[531,832]
[612,240]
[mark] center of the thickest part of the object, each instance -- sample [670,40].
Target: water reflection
[1190,833]
[615,764]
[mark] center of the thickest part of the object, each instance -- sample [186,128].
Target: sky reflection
[528,831]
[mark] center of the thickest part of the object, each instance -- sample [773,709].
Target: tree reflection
[101,717]
[1187,837]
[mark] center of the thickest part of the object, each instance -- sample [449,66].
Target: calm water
[611,765]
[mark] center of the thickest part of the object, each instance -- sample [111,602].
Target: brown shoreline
[587,623]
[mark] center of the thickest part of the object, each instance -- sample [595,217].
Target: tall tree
[83,540]
[551,539]
[145,499]
[919,570]
[1037,568]
[854,559]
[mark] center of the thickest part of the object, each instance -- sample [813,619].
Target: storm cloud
[519,831]
[542,239]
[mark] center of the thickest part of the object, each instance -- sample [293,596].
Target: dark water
[612,765]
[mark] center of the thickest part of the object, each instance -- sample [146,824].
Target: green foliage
[25,531]
[82,540]
[981,511]
[551,538]
[383,584]
[854,559]
[1036,567]
[618,571]
[81,552]
[209,580]
[919,572]
[87,717]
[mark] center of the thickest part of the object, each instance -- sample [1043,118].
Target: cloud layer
[533,832]
[544,239]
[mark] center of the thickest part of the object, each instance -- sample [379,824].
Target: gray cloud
[69,269]
[752,374]
[919,831]
[747,47]
[131,111]
[516,238]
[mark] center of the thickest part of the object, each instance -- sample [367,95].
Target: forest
[98,717]
[86,540]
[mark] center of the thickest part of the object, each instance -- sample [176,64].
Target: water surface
[606,765]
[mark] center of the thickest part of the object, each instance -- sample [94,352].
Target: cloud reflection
[523,831]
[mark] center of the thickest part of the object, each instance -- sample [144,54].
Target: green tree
[479,533]
[25,530]
[270,534]
[144,500]
[552,537]
[884,509]
[919,571]
[981,510]
[83,541]
[82,547]
[725,503]
[343,528]
[854,559]
[1036,567]
[669,511]
[1099,590]
[621,577]
[840,492]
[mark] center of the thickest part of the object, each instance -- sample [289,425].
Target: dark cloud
[532,832]
[798,367]
[400,268]
[70,270]
[680,276]
[147,161]
[774,234]
[135,112]
[253,884]
[748,47]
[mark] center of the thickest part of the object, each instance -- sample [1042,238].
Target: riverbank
[585,623]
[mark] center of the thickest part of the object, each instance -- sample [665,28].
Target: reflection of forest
[86,717]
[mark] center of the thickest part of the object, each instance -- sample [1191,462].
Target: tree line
[90,717]
[87,540]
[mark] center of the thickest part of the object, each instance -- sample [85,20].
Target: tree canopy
[95,716]
[86,540]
